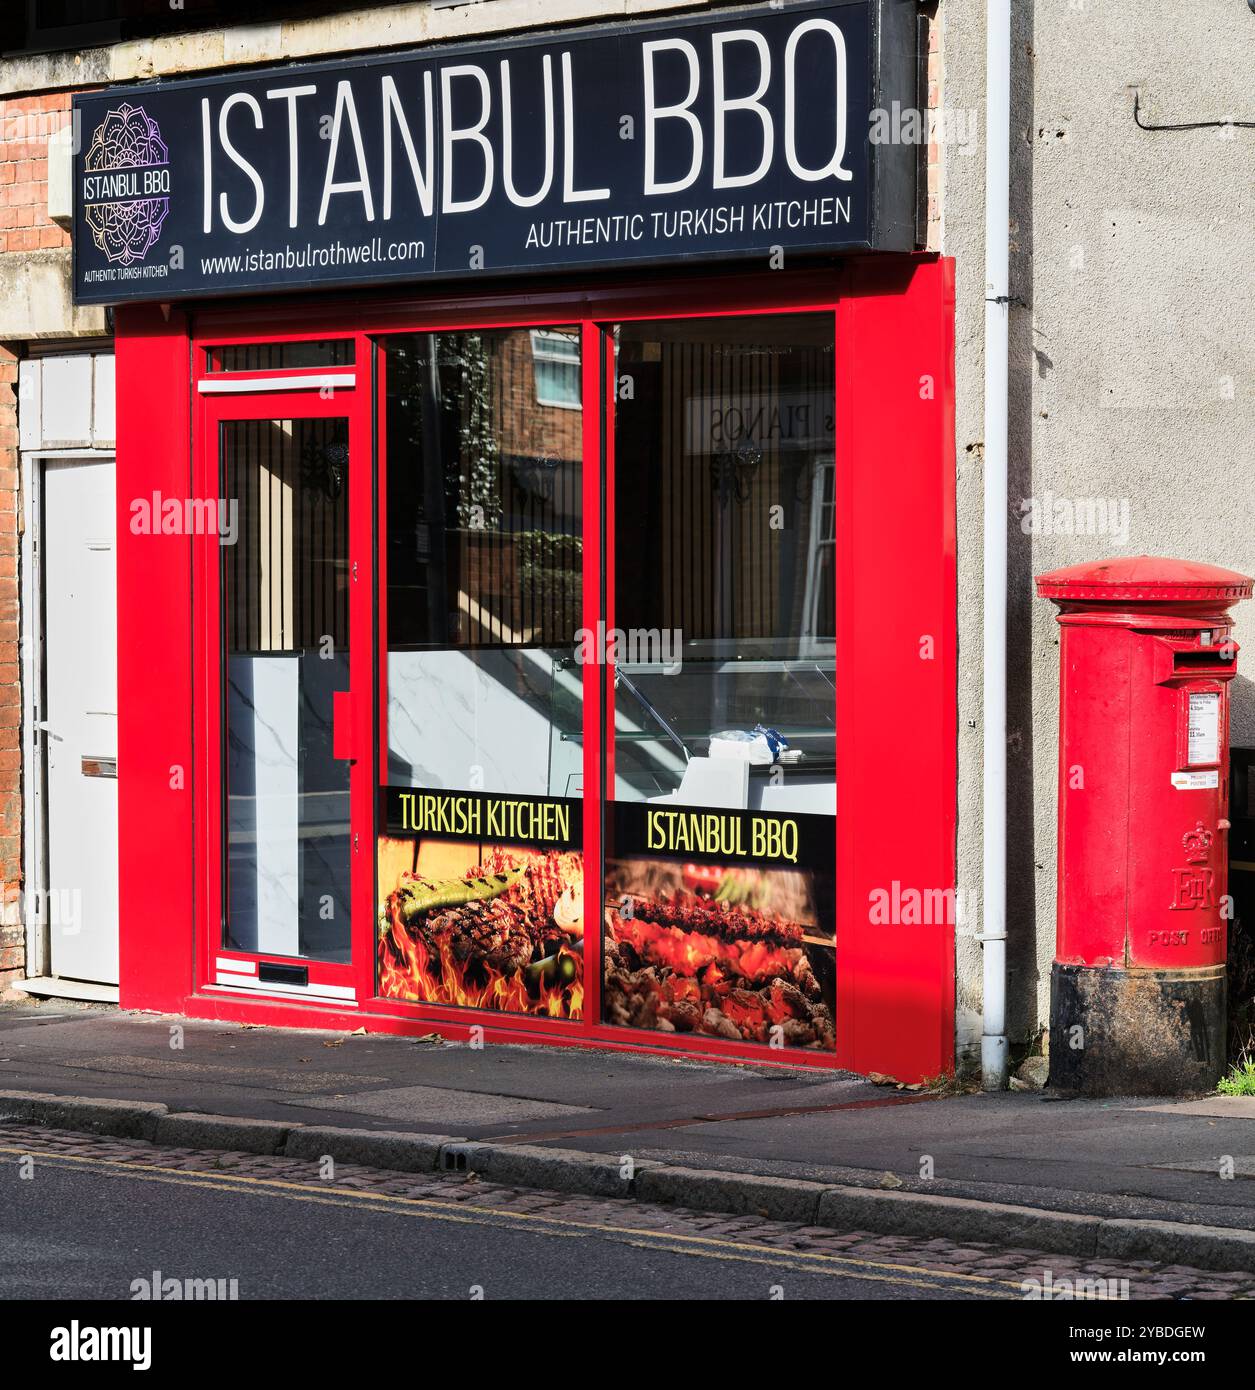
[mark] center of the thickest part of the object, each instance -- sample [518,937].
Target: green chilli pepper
[556,969]
[421,895]
[735,891]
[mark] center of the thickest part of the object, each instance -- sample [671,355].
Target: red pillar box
[1137,995]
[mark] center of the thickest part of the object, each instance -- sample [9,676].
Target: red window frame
[894,330]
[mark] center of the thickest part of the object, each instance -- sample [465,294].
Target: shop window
[715,897]
[480,867]
[556,356]
[719,759]
[269,357]
[52,24]
[285,620]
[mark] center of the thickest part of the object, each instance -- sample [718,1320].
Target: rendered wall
[1131,368]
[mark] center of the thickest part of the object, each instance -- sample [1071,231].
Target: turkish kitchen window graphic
[480,860]
[486,903]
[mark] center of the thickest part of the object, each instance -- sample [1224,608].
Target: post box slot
[1203,661]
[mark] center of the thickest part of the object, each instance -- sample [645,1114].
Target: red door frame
[212,411]
[895,585]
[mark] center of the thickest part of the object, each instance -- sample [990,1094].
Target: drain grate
[455,1158]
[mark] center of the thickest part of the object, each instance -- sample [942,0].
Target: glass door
[288,627]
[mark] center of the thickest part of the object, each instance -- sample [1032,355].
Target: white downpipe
[993,1052]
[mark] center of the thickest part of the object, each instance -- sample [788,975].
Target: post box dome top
[1144,579]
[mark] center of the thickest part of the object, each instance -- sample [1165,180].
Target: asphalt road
[85,1227]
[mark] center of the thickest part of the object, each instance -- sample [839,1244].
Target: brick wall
[26,124]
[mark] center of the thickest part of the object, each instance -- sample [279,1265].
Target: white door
[81,719]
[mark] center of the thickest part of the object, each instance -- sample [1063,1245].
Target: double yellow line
[432,1209]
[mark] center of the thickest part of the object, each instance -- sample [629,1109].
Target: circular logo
[126,184]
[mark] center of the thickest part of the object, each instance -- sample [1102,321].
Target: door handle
[41,726]
[342,725]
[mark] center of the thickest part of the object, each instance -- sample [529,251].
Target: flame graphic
[409,970]
[672,974]
[689,951]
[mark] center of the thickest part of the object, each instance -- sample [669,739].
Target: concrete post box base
[1136,1032]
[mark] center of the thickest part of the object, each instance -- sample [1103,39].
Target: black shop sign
[744,134]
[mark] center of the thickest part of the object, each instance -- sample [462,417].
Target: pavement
[1131,1176]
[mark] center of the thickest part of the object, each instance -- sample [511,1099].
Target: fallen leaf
[878,1078]
[889,1180]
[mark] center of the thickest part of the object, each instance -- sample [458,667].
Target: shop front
[535,542]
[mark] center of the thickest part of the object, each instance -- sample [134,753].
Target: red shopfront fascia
[895,596]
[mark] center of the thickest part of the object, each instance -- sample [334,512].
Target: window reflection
[724,513]
[484,554]
[479,859]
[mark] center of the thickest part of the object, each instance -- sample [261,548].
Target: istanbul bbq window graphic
[126,184]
